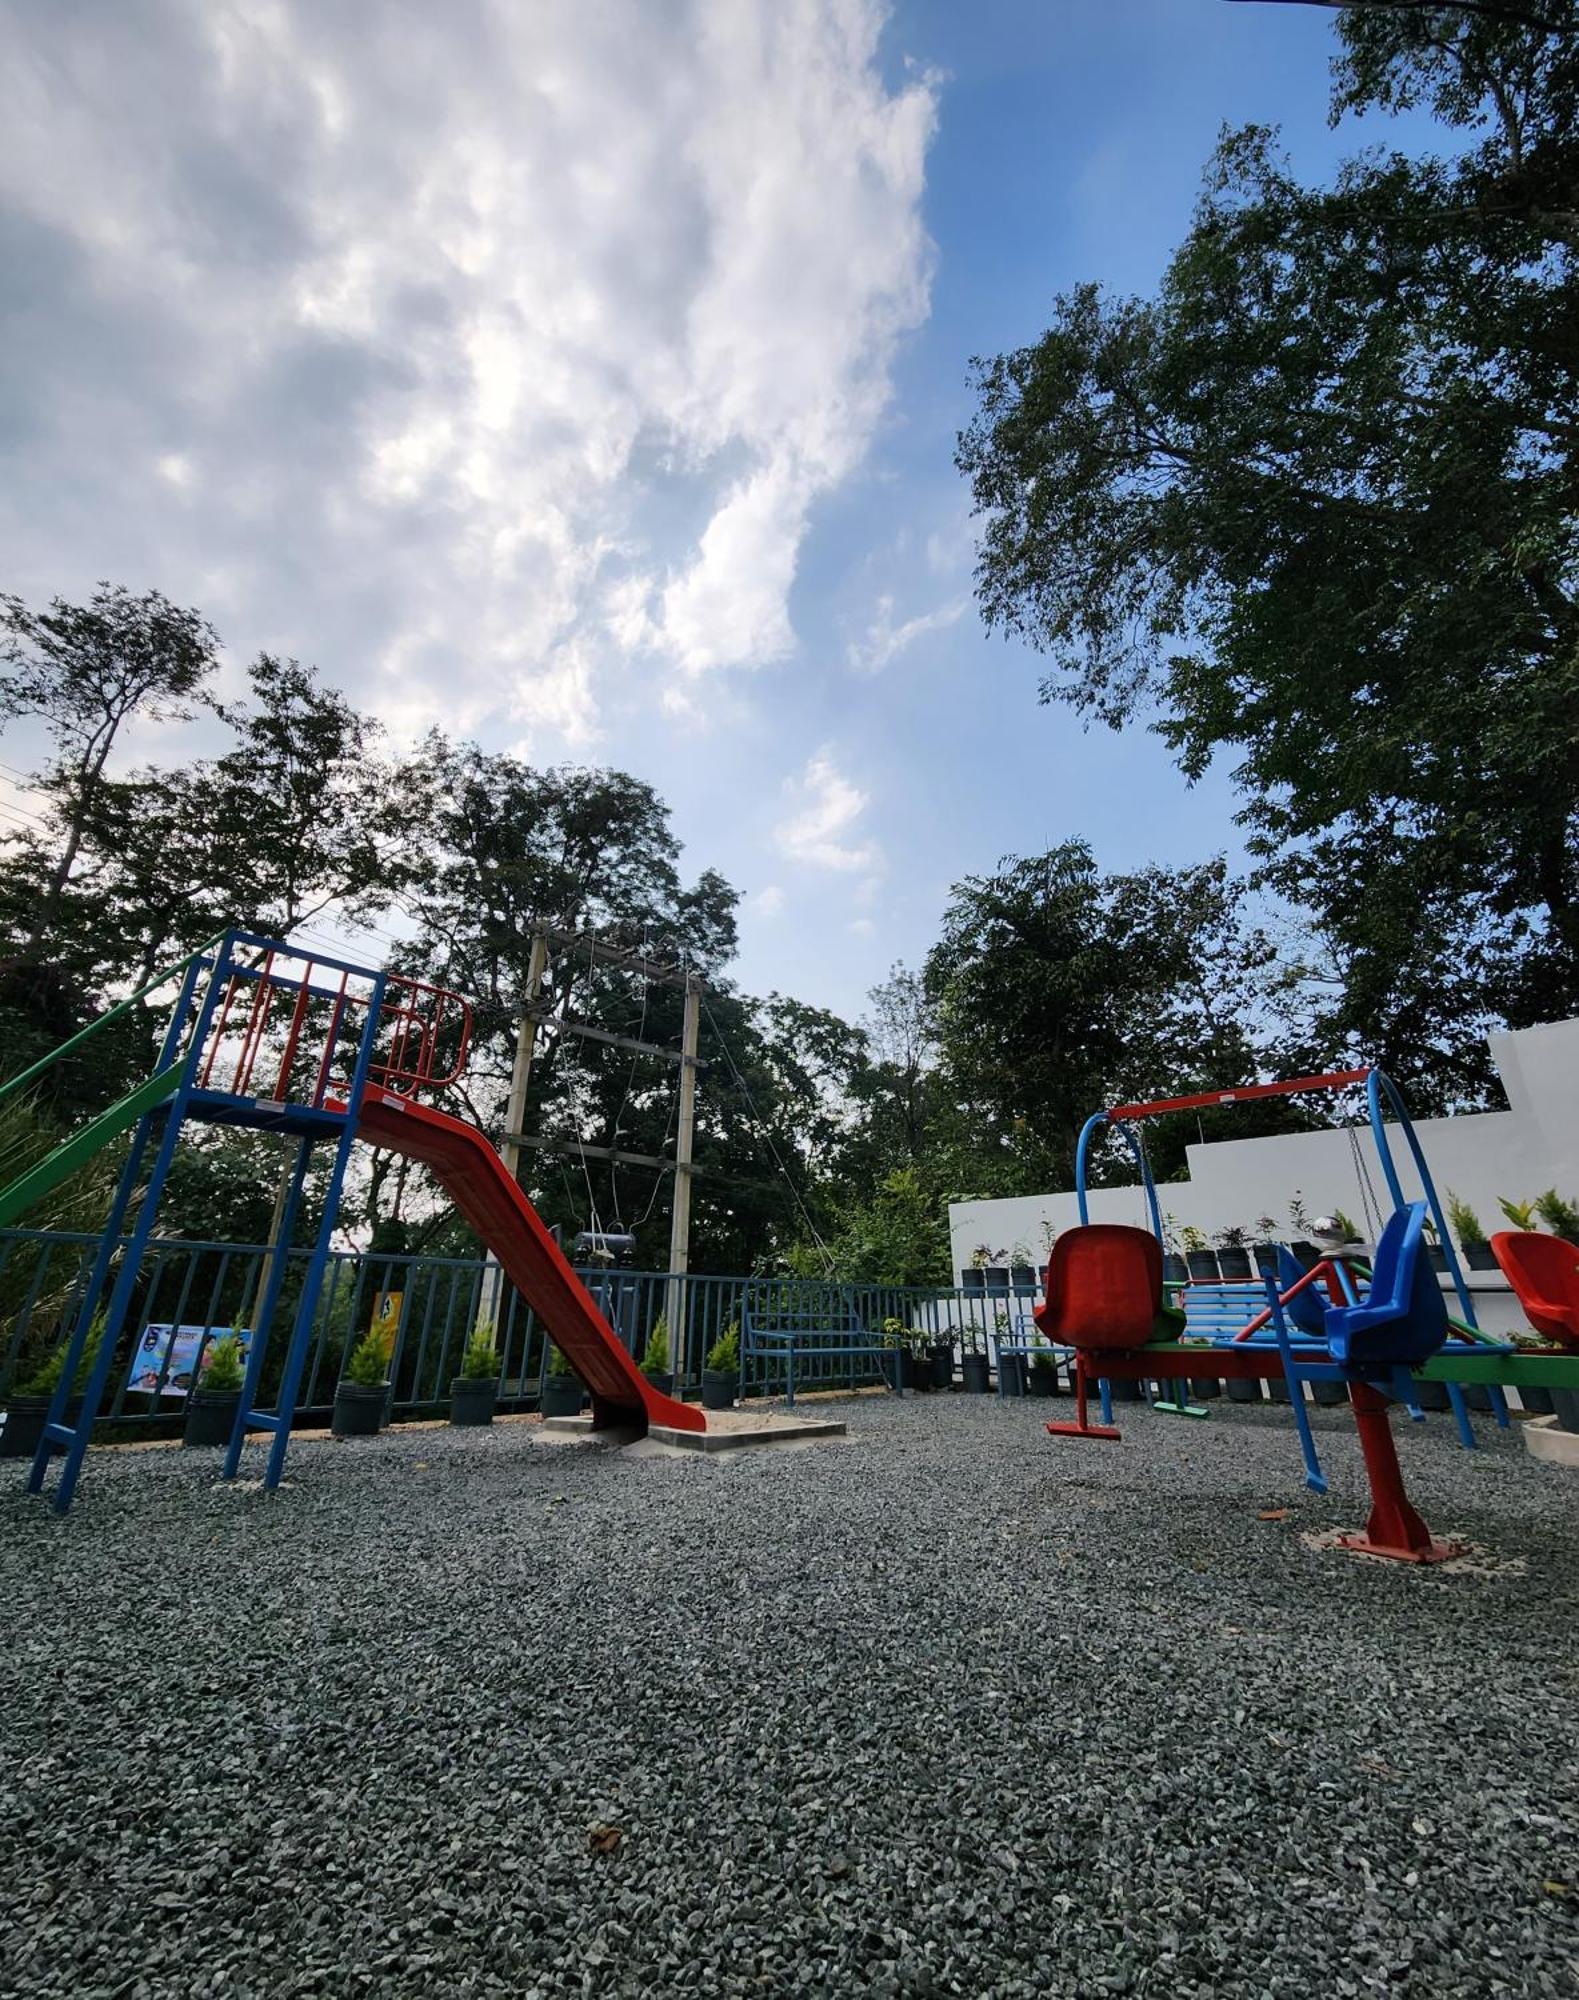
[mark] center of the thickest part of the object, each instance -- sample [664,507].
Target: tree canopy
[1313,506]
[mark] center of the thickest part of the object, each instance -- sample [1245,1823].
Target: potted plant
[1011,1366]
[1472,1239]
[1022,1273]
[562,1391]
[1433,1245]
[1520,1214]
[1233,1259]
[975,1273]
[940,1359]
[474,1393]
[1561,1217]
[1264,1253]
[363,1389]
[27,1406]
[1044,1370]
[1299,1220]
[920,1346]
[1174,1269]
[655,1357]
[896,1340]
[1201,1260]
[721,1370]
[1244,1389]
[216,1395]
[975,1371]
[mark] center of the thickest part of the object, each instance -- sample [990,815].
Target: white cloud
[477,352]
[884,641]
[765,902]
[820,828]
[860,927]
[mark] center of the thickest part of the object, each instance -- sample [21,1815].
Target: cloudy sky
[584,374]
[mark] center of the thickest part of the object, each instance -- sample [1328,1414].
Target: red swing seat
[1104,1288]
[1544,1273]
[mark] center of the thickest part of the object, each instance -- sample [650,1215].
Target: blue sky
[587,380]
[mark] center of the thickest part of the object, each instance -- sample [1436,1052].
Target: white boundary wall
[1518,1152]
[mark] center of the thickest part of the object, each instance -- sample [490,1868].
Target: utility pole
[680,1228]
[515,1114]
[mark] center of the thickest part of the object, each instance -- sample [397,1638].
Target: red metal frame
[1333,1080]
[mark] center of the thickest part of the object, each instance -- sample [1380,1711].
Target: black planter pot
[1012,1372]
[1565,1405]
[719,1388]
[1044,1381]
[1204,1387]
[359,1409]
[976,1374]
[1478,1256]
[1329,1394]
[562,1396]
[1174,1269]
[1264,1256]
[1125,1391]
[903,1369]
[210,1418]
[1432,1396]
[1478,1397]
[1537,1401]
[1234,1264]
[472,1403]
[1438,1258]
[1243,1389]
[1279,1390]
[24,1426]
[942,1361]
[1203,1266]
[1307,1253]
[662,1382]
[997,1276]
[974,1279]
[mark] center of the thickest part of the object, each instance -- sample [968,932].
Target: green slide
[76,1151]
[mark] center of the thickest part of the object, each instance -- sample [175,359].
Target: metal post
[515,1114]
[266,1304]
[680,1227]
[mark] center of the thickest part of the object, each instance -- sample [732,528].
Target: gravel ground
[946,1708]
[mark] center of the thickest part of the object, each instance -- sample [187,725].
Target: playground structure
[326,1052]
[1105,1299]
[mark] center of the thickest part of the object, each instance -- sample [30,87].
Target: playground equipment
[1376,1346]
[1544,1274]
[321,1051]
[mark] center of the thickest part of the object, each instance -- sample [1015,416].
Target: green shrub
[42,1380]
[558,1364]
[369,1363]
[480,1362]
[1520,1213]
[1561,1217]
[723,1357]
[655,1361]
[224,1374]
[1466,1223]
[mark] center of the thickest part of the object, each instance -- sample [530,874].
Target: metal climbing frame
[274,1040]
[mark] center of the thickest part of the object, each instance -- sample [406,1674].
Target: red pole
[1394,1528]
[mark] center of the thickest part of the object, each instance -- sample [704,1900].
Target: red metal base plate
[1082,1431]
[1432,1552]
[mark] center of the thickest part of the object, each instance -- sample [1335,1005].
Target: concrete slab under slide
[727,1430]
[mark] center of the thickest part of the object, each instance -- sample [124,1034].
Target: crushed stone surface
[946,1707]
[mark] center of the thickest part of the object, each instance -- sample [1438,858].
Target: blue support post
[306,1311]
[75,1440]
[1315,1478]
[1460,1409]
[278,1264]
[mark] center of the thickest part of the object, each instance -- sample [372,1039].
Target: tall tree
[1315,504]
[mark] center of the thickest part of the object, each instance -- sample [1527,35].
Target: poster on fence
[171,1352]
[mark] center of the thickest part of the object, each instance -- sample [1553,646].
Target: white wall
[1519,1152]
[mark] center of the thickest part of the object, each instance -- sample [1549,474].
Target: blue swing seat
[1304,1310]
[1403,1320]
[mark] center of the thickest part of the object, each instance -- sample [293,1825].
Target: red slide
[474,1177]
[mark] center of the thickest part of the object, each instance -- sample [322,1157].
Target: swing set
[1106,1300]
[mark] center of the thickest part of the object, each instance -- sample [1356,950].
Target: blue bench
[790,1326]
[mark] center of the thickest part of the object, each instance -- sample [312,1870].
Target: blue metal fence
[215,1284]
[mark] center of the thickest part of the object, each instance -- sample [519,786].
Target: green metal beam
[76,1151]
